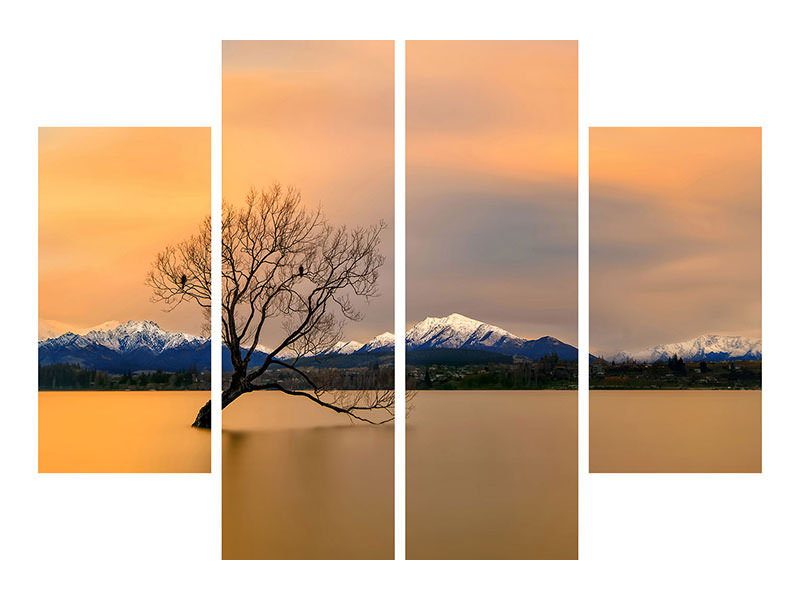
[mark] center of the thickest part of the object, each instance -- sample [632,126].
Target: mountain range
[451,337]
[455,339]
[709,347]
[456,331]
[143,345]
[51,329]
[134,346]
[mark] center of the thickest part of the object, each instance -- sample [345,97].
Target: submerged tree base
[203,419]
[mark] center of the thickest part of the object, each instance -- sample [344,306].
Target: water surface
[122,432]
[302,482]
[492,475]
[675,431]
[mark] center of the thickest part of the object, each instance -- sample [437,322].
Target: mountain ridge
[140,345]
[134,345]
[457,331]
[709,347]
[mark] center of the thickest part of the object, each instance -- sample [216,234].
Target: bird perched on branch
[300,270]
[183,280]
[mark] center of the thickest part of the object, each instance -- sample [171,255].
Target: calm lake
[492,475]
[122,432]
[302,482]
[675,431]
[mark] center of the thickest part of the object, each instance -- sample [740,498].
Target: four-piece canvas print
[305,240]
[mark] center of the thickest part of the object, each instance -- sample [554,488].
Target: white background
[154,63]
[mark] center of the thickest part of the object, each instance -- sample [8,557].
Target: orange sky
[492,176]
[319,116]
[675,228]
[109,200]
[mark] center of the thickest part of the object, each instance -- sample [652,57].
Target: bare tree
[288,274]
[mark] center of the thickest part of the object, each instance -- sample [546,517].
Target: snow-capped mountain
[143,345]
[346,347]
[452,331]
[126,337]
[384,341]
[135,345]
[340,349]
[708,347]
[458,331]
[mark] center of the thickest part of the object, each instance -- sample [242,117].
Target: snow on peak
[457,331]
[346,347]
[125,337]
[384,341]
[703,347]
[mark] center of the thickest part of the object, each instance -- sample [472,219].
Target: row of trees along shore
[62,376]
[549,372]
[675,373]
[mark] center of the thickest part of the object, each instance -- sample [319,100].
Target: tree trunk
[230,395]
[203,418]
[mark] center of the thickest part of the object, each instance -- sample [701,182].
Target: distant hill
[331,360]
[455,357]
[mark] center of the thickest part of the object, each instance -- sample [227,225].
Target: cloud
[109,200]
[492,184]
[508,256]
[675,235]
